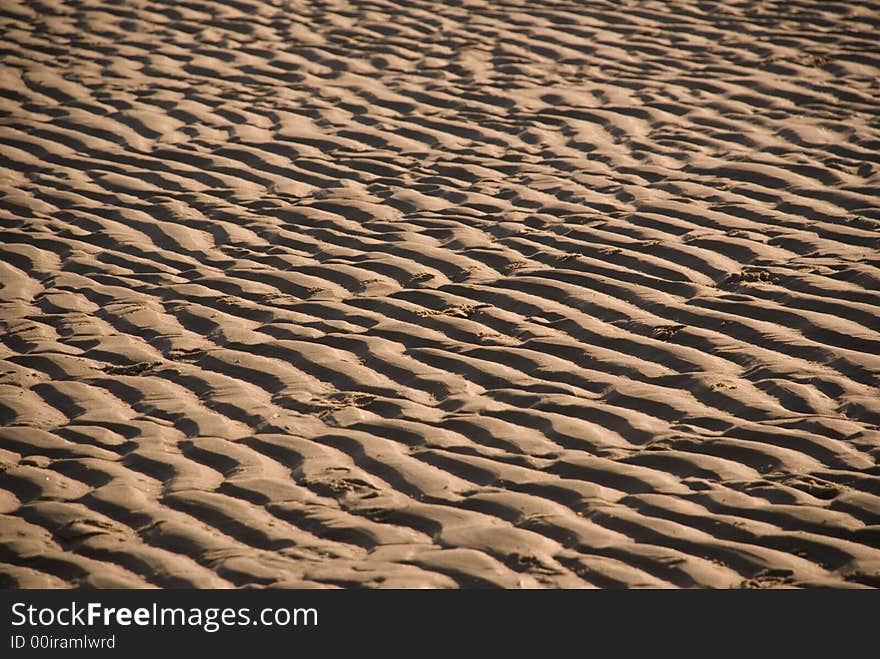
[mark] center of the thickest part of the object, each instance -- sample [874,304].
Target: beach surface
[439,295]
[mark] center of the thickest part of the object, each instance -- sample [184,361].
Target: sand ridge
[420,294]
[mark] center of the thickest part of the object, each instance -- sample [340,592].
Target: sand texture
[422,294]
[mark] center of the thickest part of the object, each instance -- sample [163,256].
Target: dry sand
[422,294]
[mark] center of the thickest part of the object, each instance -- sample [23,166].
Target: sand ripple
[421,294]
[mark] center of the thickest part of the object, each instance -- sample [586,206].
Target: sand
[435,295]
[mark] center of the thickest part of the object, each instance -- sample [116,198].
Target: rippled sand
[406,294]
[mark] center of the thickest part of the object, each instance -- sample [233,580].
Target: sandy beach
[414,294]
